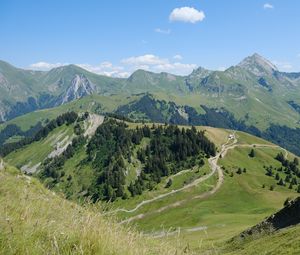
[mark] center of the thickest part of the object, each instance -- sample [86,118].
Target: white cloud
[162,31]
[187,14]
[127,66]
[283,65]
[44,66]
[147,59]
[175,68]
[154,63]
[268,6]
[178,57]
[106,68]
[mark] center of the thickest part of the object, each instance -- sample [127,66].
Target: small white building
[231,136]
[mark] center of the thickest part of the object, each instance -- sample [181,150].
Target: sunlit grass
[34,220]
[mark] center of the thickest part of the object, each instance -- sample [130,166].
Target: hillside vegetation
[214,182]
[278,234]
[284,242]
[34,220]
[195,187]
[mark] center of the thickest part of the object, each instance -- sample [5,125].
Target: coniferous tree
[169,183]
[296,161]
[287,202]
[294,181]
[239,171]
[281,182]
[252,153]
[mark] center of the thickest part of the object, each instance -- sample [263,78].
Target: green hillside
[171,109]
[35,220]
[93,103]
[277,234]
[283,242]
[63,227]
[212,198]
[206,218]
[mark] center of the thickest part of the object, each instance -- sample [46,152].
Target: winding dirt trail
[213,162]
[177,231]
[214,167]
[203,195]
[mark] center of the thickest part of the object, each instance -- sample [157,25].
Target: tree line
[66,118]
[170,150]
[287,174]
[13,130]
[52,168]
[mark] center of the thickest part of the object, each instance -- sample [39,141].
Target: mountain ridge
[254,92]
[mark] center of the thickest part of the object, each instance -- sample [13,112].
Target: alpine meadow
[115,140]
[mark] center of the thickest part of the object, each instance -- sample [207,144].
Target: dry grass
[34,220]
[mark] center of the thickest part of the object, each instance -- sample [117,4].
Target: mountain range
[94,138]
[25,90]
[252,96]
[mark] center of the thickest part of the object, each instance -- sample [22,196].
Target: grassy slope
[241,202]
[36,152]
[93,103]
[283,242]
[34,220]
[262,108]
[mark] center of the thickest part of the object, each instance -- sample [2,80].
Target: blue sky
[116,37]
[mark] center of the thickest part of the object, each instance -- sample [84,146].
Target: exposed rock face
[80,87]
[258,65]
[199,73]
[289,215]
[3,82]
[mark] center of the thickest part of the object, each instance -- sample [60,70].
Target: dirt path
[177,231]
[203,195]
[215,168]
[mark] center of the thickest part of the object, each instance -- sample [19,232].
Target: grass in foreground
[34,220]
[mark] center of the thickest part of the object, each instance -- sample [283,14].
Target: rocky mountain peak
[200,73]
[258,65]
[80,86]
